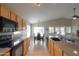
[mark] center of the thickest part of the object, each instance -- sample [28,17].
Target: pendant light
[75,16]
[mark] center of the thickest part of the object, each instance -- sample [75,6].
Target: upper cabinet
[7,13]
[19,21]
[4,11]
[13,16]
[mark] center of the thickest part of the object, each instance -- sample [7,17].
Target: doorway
[38,31]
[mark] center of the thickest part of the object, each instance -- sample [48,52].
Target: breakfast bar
[61,48]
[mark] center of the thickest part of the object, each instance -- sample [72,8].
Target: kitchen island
[62,48]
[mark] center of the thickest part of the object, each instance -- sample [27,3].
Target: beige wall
[57,22]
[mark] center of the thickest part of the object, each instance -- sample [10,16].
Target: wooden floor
[37,49]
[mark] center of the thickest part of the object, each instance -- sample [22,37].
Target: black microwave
[7,25]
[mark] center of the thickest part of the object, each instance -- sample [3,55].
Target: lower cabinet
[26,44]
[54,49]
[64,54]
[7,54]
[57,51]
[49,47]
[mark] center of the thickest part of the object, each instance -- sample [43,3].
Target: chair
[38,36]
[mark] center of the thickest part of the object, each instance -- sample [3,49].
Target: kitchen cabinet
[26,46]
[64,54]
[57,51]
[19,21]
[5,51]
[51,48]
[24,24]
[7,54]
[4,11]
[13,16]
[54,49]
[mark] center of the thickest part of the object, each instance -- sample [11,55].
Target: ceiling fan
[75,16]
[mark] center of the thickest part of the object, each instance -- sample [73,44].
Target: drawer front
[57,51]
[6,54]
[5,12]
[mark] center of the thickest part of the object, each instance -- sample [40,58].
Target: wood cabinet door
[19,20]
[64,54]
[5,12]
[52,48]
[28,44]
[49,47]
[25,47]
[24,24]
[7,54]
[57,51]
[13,16]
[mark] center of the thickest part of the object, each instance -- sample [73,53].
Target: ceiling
[46,12]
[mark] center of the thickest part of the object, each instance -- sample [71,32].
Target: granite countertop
[67,48]
[4,50]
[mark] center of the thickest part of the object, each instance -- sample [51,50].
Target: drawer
[7,54]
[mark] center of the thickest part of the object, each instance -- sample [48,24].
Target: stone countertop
[67,48]
[4,50]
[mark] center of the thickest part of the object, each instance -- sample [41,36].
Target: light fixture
[37,4]
[75,16]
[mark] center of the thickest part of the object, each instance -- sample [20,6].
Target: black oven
[6,25]
[5,41]
[13,41]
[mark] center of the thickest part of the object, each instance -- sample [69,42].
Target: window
[51,29]
[57,30]
[68,29]
[62,30]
